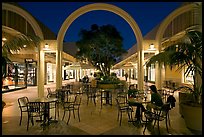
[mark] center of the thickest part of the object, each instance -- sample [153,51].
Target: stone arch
[161,32]
[171,17]
[26,15]
[107,7]
[38,32]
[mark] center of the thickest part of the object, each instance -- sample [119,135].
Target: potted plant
[187,52]
[108,82]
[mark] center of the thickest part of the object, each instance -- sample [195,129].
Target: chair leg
[94,100]
[154,122]
[120,118]
[32,120]
[118,115]
[168,119]
[78,115]
[20,119]
[73,114]
[158,127]
[145,126]
[63,115]
[167,125]
[28,122]
[69,117]
[128,115]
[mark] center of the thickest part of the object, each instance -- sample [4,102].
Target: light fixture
[46,47]
[151,47]
[24,46]
[4,39]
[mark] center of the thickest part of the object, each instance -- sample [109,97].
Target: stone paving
[94,120]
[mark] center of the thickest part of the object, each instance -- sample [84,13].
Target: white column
[41,71]
[158,78]
[59,66]
[140,69]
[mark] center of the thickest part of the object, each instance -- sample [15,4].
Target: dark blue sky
[146,14]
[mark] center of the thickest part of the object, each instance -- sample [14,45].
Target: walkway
[94,121]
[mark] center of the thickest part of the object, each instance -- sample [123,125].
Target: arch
[171,17]
[38,32]
[99,6]
[26,15]
[161,31]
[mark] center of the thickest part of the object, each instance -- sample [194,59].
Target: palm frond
[17,42]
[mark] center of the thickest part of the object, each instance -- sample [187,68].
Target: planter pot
[183,97]
[106,86]
[192,115]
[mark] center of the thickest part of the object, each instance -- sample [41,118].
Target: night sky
[146,14]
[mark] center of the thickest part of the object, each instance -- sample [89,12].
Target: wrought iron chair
[123,107]
[72,106]
[51,93]
[35,110]
[22,103]
[157,115]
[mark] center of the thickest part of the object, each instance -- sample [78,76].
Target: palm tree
[16,43]
[187,52]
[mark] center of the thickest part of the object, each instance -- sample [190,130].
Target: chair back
[77,100]
[120,104]
[22,103]
[122,98]
[164,110]
[36,107]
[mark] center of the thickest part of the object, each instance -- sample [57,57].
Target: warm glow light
[151,46]
[4,39]
[46,47]
[24,46]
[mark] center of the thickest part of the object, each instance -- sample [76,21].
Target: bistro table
[47,119]
[138,102]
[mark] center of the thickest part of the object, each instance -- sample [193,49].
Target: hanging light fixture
[46,47]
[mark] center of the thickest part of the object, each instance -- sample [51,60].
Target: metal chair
[123,107]
[91,94]
[72,106]
[22,103]
[159,114]
[51,93]
[35,110]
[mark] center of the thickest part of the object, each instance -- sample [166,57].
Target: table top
[140,99]
[46,99]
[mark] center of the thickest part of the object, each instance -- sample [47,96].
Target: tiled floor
[94,120]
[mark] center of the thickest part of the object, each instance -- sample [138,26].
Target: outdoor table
[138,102]
[47,119]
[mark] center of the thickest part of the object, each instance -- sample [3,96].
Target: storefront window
[32,71]
[14,76]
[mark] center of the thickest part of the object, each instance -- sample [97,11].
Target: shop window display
[14,76]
